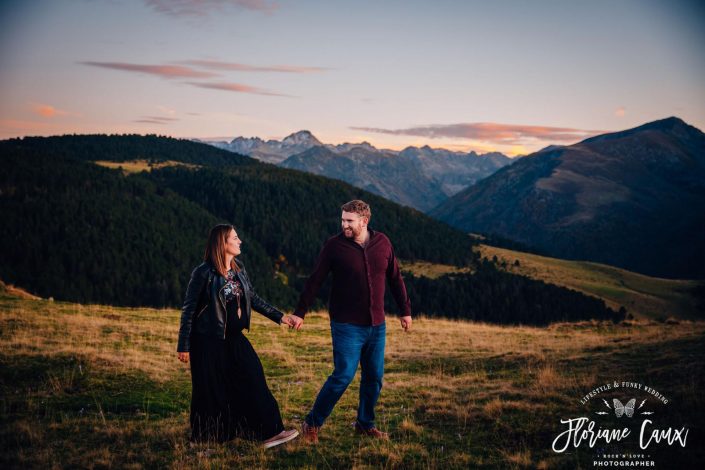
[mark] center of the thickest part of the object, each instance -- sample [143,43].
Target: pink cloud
[204,7]
[163,71]
[48,111]
[620,112]
[237,87]
[238,67]
[508,134]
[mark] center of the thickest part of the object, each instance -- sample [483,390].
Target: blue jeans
[353,345]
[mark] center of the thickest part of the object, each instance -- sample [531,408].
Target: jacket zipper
[199,313]
[209,283]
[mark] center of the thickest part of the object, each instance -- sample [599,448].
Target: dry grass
[136,166]
[98,386]
[430,270]
[122,339]
[521,459]
[16,292]
[407,425]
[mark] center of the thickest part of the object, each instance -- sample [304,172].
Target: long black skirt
[230,397]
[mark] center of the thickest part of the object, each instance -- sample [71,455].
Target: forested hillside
[81,232]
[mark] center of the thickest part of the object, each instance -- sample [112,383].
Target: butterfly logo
[627,409]
[620,409]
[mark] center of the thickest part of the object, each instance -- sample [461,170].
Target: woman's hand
[296,322]
[293,321]
[184,357]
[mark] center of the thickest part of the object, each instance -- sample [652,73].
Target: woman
[230,397]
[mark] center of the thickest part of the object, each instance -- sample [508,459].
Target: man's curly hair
[359,207]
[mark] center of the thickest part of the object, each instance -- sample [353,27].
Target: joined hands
[293,322]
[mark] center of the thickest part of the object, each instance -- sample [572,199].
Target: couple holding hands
[230,397]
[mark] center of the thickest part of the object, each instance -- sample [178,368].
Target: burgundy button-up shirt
[359,275]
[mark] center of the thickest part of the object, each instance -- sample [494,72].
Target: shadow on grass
[75,384]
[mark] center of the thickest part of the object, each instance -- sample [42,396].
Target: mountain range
[416,177]
[270,151]
[633,199]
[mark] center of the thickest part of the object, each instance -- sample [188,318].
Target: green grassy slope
[643,296]
[100,387]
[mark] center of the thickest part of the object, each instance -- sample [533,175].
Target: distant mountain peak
[301,137]
[247,139]
[666,124]
[669,124]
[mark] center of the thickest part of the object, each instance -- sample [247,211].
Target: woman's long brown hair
[215,249]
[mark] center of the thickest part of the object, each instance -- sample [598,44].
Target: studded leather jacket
[204,309]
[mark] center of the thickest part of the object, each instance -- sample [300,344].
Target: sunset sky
[511,76]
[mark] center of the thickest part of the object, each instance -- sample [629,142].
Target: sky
[509,76]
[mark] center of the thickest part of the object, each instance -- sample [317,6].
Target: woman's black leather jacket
[204,306]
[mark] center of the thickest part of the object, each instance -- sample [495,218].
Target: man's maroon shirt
[359,275]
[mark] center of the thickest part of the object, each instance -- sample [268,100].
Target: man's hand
[184,357]
[295,322]
[406,323]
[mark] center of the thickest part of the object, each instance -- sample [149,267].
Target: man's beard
[351,232]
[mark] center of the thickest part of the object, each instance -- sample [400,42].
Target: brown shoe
[372,432]
[310,433]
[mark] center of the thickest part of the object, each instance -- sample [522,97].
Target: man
[361,260]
